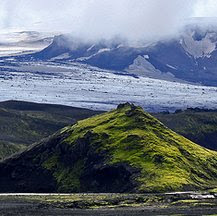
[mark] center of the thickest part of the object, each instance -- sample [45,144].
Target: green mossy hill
[198,125]
[124,150]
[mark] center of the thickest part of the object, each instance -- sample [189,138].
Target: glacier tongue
[84,86]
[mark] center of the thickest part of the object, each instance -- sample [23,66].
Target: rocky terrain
[189,204]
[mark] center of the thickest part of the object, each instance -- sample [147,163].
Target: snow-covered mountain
[191,56]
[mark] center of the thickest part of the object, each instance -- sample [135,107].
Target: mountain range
[189,56]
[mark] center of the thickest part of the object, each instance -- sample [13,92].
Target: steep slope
[125,150]
[23,123]
[59,46]
[66,47]
[198,125]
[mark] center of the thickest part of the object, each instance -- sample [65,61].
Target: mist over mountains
[189,56]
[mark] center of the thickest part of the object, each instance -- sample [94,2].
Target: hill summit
[124,150]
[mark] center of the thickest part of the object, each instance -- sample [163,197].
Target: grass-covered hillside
[124,150]
[23,123]
[198,125]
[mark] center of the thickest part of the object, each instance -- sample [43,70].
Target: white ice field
[83,86]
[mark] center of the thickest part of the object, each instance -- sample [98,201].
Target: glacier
[85,86]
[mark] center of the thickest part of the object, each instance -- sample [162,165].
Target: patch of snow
[201,196]
[90,48]
[60,57]
[120,45]
[170,66]
[104,50]
[88,57]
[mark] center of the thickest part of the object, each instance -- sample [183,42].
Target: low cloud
[134,20]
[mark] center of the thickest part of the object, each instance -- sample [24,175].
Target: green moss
[166,160]
[214,190]
[67,178]
[51,163]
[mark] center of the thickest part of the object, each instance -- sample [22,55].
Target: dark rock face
[117,178]
[115,59]
[73,47]
[25,172]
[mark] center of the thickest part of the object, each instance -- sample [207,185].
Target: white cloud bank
[95,19]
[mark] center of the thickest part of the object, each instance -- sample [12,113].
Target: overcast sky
[94,19]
